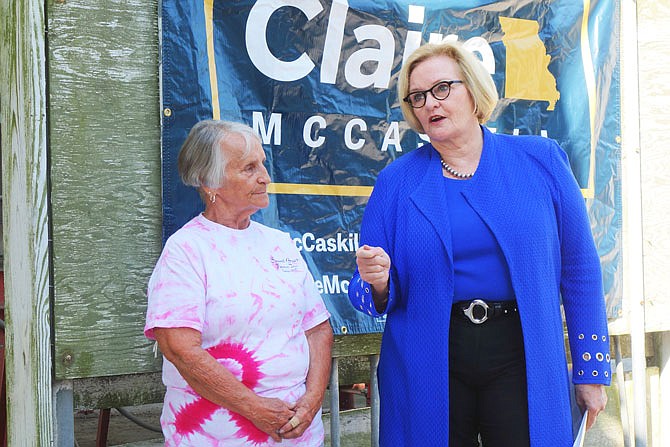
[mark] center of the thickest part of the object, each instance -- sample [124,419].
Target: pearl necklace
[454,172]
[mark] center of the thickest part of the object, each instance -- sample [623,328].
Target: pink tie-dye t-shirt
[250,294]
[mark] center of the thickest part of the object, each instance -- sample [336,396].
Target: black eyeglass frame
[432,92]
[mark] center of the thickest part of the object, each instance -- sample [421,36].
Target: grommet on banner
[344,329]
[167,112]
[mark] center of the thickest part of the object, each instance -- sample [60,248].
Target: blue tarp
[317,80]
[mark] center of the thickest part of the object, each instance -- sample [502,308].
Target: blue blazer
[526,193]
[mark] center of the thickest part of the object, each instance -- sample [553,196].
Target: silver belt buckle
[477,303]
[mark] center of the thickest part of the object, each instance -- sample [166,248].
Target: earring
[212,197]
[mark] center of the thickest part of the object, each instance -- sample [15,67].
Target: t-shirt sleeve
[315,311]
[176,290]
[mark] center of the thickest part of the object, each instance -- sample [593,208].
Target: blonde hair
[475,77]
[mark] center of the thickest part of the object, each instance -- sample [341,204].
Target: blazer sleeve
[375,230]
[581,279]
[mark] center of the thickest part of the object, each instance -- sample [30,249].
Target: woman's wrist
[310,403]
[380,296]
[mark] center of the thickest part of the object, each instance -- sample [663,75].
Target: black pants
[487,383]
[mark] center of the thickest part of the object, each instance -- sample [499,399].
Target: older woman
[471,243]
[243,330]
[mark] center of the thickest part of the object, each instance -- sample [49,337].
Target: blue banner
[316,79]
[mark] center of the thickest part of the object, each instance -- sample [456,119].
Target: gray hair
[202,160]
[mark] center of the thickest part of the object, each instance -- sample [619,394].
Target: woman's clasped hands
[285,420]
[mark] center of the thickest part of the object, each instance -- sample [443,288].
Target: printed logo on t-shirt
[285,264]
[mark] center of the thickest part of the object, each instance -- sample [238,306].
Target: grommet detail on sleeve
[367,290]
[580,372]
[586,356]
[600,356]
[581,336]
[594,373]
[607,374]
[594,337]
[607,357]
[604,338]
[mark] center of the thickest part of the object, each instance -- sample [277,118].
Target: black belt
[478,311]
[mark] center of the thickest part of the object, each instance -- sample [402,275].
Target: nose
[264,177]
[431,101]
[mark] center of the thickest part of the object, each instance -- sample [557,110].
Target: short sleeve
[315,311]
[176,290]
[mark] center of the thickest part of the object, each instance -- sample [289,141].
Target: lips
[436,118]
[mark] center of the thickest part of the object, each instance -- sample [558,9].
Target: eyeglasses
[439,91]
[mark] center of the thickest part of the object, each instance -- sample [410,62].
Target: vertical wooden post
[25,222]
[633,279]
[334,404]
[374,401]
[664,398]
[103,427]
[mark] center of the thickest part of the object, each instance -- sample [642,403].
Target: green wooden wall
[104,142]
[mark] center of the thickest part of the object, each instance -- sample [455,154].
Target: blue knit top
[480,268]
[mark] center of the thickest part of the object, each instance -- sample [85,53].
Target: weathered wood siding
[26,230]
[104,132]
[653,57]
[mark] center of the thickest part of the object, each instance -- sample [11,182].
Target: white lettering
[481,46]
[423,138]
[274,127]
[344,244]
[308,242]
[416,13]
[412,43]
[257,45]
[347,134]
[437,38]
[273,133]
[307,131]
[321,245]
[474,44]
[332,285]
[392,137]
[413,39]
[334,37]
[358,69]
[383,55]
